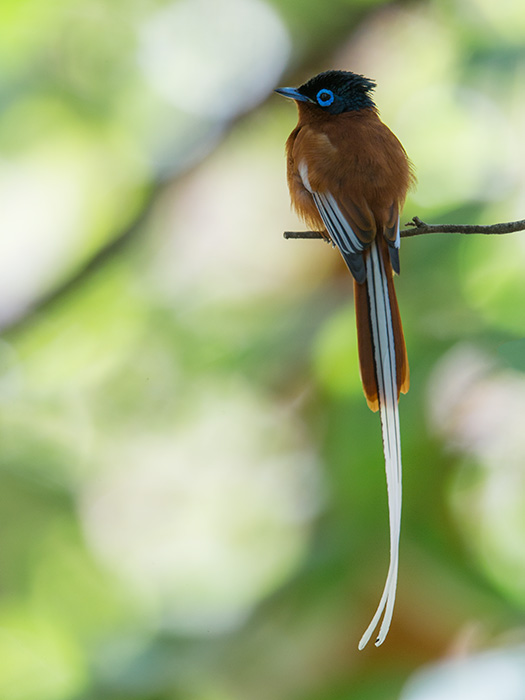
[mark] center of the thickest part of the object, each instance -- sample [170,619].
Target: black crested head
[338,91]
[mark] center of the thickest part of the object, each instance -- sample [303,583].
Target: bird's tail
[384,372]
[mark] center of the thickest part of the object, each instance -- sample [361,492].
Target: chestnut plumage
[348,176]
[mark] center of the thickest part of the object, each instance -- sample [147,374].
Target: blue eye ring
[325,97]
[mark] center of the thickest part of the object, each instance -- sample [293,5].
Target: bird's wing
[342,234]
[351,225]
[352,192]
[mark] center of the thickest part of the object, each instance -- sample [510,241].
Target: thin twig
[420,227]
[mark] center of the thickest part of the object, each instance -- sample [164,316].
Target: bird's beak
[293,94]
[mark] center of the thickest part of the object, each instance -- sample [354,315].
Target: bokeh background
[192,496]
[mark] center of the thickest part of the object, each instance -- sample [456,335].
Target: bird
[348,177]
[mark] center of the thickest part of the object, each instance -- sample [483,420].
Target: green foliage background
[192,497]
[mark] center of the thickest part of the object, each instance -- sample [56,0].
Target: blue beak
[293,94]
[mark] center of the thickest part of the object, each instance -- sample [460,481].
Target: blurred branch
[420,227]
[111,249]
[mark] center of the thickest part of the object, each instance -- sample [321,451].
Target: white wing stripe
[348,241]
[330,221]
[334,220]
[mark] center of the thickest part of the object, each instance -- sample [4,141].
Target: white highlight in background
[214,58]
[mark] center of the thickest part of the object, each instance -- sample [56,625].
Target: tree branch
[419,228]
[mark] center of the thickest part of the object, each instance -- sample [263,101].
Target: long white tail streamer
[385,362]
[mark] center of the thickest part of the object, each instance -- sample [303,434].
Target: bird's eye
[325,97]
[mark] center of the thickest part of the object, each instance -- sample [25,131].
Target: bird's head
[334,91]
